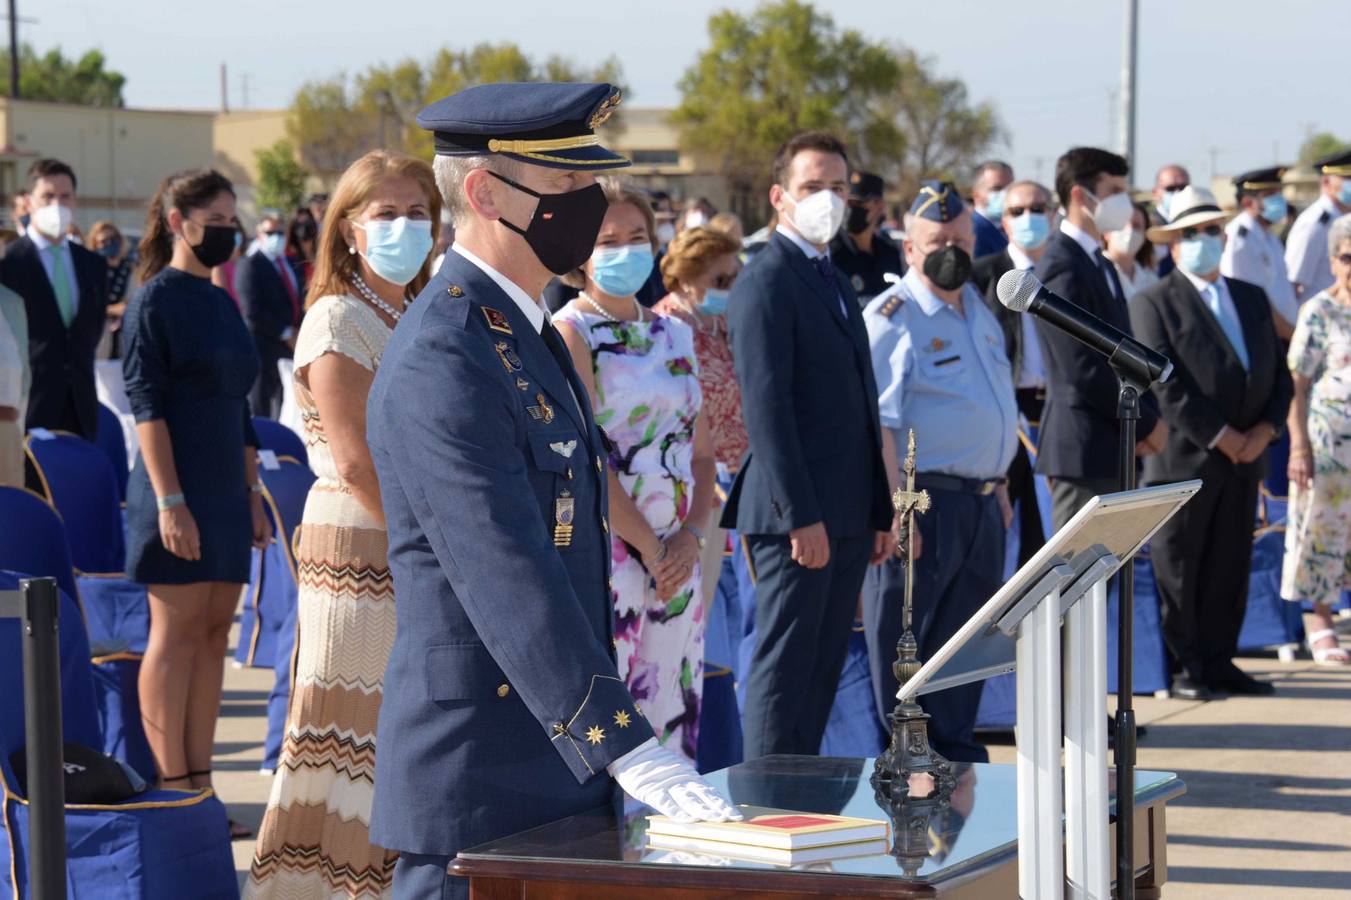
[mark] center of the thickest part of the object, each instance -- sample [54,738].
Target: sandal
[238,830]
[1332,657]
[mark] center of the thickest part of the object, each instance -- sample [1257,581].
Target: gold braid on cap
[1343,170]
[526,147]
[935,197]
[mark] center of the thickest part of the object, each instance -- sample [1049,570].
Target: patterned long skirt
[314,840]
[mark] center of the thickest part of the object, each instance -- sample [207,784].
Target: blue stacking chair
[80,482]
[274,436]
[287,488]
[1269,620]
[40,548]
[854,727]
[1150,658]
[156,844]
[111,442]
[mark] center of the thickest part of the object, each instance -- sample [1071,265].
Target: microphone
[1021,291]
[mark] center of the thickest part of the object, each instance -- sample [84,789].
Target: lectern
[1019,629]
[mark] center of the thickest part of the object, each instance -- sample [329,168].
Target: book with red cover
[776,828]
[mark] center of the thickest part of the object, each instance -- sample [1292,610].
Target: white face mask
[52,220]
[818,216]
[1127,241]
[1114,213]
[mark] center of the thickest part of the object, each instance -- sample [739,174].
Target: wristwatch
[698,535]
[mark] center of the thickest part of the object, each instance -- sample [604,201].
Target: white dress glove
[665,781]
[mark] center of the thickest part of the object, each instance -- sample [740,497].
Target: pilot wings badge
[563,448]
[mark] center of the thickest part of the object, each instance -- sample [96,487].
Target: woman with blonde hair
[373,256]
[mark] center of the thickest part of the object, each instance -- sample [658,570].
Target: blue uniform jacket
[809,400]
[502,703]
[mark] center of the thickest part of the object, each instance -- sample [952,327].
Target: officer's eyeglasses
[1211,230]
[1016,211]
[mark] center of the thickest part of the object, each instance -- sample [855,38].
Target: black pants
[803,619]
[1201,561]
[1022,481]
[1068,496]
[960,566]
[266,396]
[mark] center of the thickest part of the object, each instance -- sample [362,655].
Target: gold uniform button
[503,690]
[560,728]
[606,525]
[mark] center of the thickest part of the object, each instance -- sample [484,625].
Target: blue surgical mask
[1201,255]
[621,271]
[994,205]
[715,302]
[1344,195]
[1274,208]
[1030,230]
[273,244]
[397,249]
[1165,204]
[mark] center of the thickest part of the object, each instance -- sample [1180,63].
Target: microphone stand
[1127,414]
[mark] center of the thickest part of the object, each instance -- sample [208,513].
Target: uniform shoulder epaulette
[1243,231]
[1325,218]
[892,303]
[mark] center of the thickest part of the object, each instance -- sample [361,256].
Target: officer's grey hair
[1338,234]
[450,172]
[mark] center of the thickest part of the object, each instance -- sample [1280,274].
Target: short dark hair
[991,164]
[1083,166]
[49,168]
[822,141]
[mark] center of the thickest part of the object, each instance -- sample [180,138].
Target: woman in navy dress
[194,503]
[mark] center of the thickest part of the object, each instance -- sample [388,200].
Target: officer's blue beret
[542,123]
[1338,163]
[937,201]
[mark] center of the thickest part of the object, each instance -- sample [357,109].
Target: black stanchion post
[42,720]
[1128,414]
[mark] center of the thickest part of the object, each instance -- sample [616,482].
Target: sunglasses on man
[1017,211]
[1210,230]
[1344,258]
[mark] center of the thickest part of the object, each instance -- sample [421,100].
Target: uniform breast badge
[563,448]
[497,320]
[522,384]
[543,412]
[510,361]
[564,507]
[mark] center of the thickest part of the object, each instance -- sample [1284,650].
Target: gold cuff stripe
[1344,171]
[566,143]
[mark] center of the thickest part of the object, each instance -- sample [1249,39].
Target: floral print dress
[647,401]
[1318,530]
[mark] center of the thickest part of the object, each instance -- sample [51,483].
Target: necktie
[286,279]
[1229,323]
[559,350]
[1109,273]
[65,303]
[826,269]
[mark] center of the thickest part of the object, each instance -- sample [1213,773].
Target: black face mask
[857,222]
[563,230]
[305,231]
[216,246]
[949,268]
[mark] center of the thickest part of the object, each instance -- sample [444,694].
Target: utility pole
[224,89]
[245,79]
[1128,86]
[13,50]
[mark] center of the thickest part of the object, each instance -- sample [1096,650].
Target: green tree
[281,179]
[333,121]
[764,77]
[1319,145]
[54,78]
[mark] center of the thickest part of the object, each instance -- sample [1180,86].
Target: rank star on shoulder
[622,719]
[595,734]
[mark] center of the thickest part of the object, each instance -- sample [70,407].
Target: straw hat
[1195,207]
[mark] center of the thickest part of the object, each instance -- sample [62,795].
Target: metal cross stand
[36,605]
[909,752]
[1020,628]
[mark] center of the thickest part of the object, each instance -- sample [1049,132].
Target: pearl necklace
[606,314]
[374,299]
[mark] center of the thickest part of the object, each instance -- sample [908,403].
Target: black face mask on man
[949,268]
[563,230]
[857,222]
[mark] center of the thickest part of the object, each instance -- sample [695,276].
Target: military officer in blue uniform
[860,251]
[1306,247]
[942,370]
[1253,252]
[503,709]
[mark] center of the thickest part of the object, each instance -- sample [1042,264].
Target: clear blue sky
[1244,79]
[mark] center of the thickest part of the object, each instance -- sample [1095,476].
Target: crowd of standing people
[604,466]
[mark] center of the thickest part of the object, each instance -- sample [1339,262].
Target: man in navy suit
[503,708]
[1077,447]
[810,498]
[988,188]
[271,295]
[65,294]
